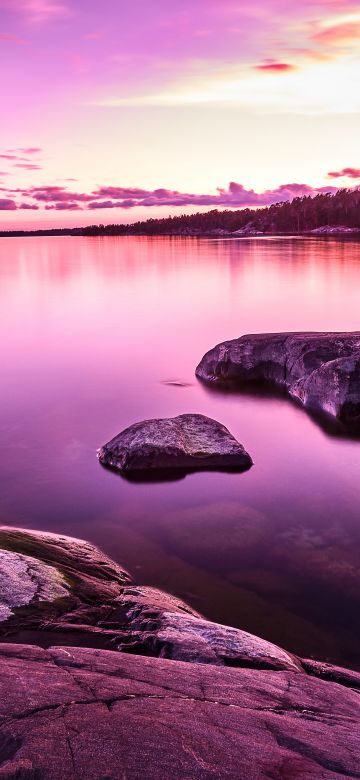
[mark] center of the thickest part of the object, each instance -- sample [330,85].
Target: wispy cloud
[11,157]
[44,10]
[349,173]
[317,87]
[28,166]
[275,67]
[338,34]
[25,150]
[37,11]
[10,38]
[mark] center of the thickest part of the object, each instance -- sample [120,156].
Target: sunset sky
[116,111]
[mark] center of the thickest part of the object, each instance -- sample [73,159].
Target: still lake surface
[98,333]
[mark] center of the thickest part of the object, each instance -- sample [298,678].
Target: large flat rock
[184,443]
[79,713]
[76,712]
[322,370]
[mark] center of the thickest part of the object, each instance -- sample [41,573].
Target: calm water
[93,330]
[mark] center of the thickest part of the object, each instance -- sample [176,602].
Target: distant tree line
[297,216]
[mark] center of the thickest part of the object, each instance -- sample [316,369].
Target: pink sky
[119,111]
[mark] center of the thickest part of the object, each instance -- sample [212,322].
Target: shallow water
[98,333]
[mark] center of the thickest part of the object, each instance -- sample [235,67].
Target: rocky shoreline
[320,370]
[175,696]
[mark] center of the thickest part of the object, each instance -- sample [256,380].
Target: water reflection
[99,333]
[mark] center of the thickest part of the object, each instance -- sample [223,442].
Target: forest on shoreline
[340,210]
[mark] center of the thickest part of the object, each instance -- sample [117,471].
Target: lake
[98,333]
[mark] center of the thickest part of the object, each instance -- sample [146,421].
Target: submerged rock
[187,442]
[322,370]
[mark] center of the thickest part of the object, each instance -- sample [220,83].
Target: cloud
[235,196]
[17,156]
[122,192]
[350,173]
[275,67]
[52,193]
[63,206]
[42,10]
[31,206]
[7,205]
[315,86]
[10,38]
[26,150]
[11,157]
[338,34]
[28,166]
[126,198]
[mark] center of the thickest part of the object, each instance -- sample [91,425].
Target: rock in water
[186,443]
[322,370]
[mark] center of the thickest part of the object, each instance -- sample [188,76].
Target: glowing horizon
[148,110]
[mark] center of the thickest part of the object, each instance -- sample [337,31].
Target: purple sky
[125,110]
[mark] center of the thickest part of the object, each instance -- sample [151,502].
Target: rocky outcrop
[24,579]
[76,713]
[322,370]
[51,583]
[79,712]
[167,628]
[334,230]
[184,443]
[74,594]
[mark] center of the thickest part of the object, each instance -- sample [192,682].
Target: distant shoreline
[323,215]
[84,233]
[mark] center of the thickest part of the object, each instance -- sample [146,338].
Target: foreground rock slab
[77,713]
[322,370]
[187,442]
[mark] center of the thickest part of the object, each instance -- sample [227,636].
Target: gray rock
[187,442]
[322,370]
[53,583]
[333,230]
[78,713]
[24,580]
[94,603]
[168,629]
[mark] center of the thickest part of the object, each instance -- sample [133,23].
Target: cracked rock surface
[176,696]
[322,370]
[187,442]
[77,713]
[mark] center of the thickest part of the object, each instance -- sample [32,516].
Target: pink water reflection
[93,329]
